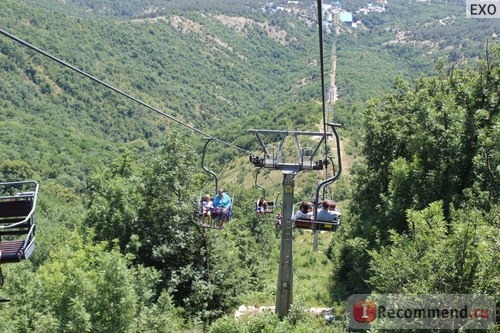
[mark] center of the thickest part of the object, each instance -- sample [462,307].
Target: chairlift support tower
[304,162]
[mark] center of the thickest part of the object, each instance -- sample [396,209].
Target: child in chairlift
[207,206]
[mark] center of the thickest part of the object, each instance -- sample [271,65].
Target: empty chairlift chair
[270,207]
[17,224]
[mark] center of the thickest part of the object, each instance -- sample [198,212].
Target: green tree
[435,256]
[85,288]
[113,202]
[433,142]
[422,145]
[150,214]
[16,171]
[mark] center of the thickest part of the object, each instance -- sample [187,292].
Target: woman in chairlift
[222,206]
[305,212]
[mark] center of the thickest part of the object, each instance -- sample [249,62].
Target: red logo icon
[365,311]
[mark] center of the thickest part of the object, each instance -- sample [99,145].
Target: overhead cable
[321,57]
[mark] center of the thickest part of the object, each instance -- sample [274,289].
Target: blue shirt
[326,215]
[225,202]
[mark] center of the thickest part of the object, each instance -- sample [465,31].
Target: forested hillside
[119,242]
[186,68]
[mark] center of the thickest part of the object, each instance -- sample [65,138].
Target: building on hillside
[273,8]
[346,17]
[327,16]
[356,24]
[268,7]
[327,12]
[377,9]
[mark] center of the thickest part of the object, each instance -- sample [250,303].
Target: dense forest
[119,246]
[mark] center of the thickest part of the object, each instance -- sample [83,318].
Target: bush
[226,324]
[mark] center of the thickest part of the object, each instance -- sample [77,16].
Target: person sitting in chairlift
[207,206]
[261,206]
[305,212]
[277,220]
[222,207]
[325,214]
[333,207]
[222,202]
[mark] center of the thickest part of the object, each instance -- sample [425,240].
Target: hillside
[193,67]
[119,245]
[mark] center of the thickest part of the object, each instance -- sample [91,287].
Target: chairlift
[266,207]
[17,223]
[215,219]
[314,224]
[222,215]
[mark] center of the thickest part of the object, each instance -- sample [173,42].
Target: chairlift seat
[320,225]
[15,213]
[218,216]
[303,224]
[15,250]
[224,214]
[326,226]
[270,207]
